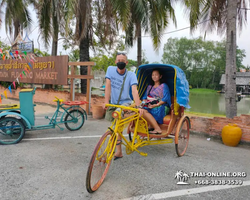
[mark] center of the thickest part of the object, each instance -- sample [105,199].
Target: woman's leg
[151,120]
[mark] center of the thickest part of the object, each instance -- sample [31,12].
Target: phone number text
[218,182]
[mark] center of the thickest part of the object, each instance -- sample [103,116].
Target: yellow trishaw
[175,127]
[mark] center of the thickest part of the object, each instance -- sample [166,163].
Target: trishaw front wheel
[12,130]
[100,161]
[74,120]
[182,136]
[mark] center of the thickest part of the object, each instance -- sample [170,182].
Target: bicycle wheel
[182,137]
[74,120]
[12,130]
[100,162]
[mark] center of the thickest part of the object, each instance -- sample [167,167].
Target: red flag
[21,76]
[14,84]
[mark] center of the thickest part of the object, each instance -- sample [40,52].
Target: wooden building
[242,82]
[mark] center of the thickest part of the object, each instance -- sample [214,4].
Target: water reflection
[214,103]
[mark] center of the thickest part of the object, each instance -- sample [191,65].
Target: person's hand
[151,106]
[104,107]
[141,111]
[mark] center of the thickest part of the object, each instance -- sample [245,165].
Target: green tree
[202,61]
[17,15]
[95,25]
[53,18]
[143,15]
[222,15]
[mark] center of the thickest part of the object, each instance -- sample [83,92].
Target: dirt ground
[39,108]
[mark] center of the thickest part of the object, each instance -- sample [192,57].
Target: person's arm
[107,91]
[107,88]
[166,97]
[135,95]
[136,98]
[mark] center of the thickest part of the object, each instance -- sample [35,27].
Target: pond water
[214,103]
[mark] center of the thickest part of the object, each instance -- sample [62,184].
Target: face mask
[121,65]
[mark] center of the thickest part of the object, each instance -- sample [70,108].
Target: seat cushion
[166,119]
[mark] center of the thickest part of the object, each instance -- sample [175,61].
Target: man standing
[114,81]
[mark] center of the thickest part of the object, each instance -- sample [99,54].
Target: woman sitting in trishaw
[167,79]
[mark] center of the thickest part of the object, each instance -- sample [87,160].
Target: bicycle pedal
[47,117]
[143,154]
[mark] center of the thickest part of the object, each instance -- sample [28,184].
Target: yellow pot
[231,135]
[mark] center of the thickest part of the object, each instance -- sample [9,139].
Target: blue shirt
[116,84]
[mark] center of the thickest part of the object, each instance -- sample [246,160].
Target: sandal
[150,129]
[116,157]
[119,142]
[157,133]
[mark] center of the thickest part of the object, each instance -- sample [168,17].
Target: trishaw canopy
[173,76]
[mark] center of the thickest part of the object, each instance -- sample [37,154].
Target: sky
[243,40]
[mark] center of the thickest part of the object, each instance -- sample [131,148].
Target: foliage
[150,16]
[188,113]
[213,13]
[16,16]
[202,61]
[53,18]
[40,53]
[202,91]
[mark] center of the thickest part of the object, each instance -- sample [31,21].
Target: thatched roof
[242,78]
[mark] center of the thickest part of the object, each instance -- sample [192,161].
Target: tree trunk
[54,46]
[16,29]
[230,86]
[84,56]
[53,53]
[139,46]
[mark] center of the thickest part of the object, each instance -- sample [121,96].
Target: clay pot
[231,135]
[97,111]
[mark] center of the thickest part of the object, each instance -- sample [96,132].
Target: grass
[203,114]
[202,91]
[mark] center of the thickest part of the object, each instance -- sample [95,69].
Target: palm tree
[17,16]
[179,175]
[222,15]
[53,18]
[147,15]
[95,23]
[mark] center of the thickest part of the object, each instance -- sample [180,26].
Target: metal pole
[89,96]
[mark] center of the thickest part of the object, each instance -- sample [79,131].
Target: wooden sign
[43,70]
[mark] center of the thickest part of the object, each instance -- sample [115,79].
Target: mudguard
[25,120]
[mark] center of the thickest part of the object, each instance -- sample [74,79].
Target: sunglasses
[121,54]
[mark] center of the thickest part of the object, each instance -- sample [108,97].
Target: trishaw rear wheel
[74,120]
[182,136]
[12,130]
[100,162]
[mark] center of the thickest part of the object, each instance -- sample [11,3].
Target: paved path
[52,165]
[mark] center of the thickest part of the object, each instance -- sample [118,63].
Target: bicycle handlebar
[122,107]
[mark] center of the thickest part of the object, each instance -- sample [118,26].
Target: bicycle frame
[141,126]
[53,121]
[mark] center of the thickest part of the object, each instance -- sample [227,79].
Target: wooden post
[72,83]
[88,89]
[72,77]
